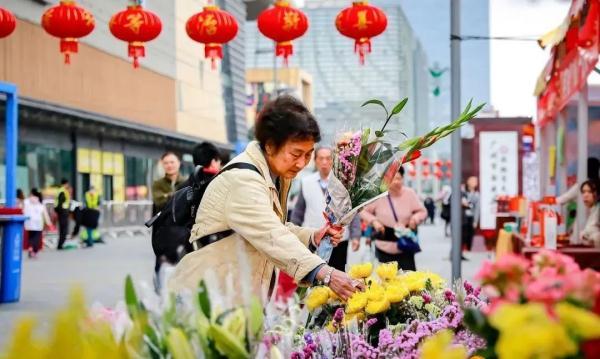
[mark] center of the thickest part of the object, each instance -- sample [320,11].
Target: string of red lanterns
[282,24]
[8,22]
[136,26]
[213,27]
[69,22]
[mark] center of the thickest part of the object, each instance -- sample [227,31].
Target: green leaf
[226,343]
[179,345]
[131,298]
[203,299]
[375,102]
[255,317]
[399,106]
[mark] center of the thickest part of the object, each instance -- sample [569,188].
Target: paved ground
[101,271]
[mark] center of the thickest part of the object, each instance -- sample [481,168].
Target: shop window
[107,188]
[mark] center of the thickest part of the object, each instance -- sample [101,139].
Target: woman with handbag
[394,219]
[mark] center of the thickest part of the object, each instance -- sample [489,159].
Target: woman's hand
[340,283]
[412,224]
[377,226]
[336,233]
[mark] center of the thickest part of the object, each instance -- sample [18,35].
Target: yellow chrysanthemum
[375,291]
[317,297]
[334,296]
[527,331]
[396,292]
[439,346]
[359,271]
[356,302]
[387,271]
[436,281]
[377,306]
[581,322]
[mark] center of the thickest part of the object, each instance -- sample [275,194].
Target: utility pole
[455,205]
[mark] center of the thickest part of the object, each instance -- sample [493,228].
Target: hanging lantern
[8,22]
[589,30]
[448,174]
[68,21]
[448,163]
[438,163]
[438,174]
[412,173]
[213,27]
[361,22]
[425,162]
[282,24]
[425,173]
[135,25]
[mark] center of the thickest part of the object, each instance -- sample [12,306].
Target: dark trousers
[63,227]
[405,261]
[339,256]
[34,238]
[468,232]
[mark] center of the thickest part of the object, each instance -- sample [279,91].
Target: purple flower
[385,339]
[449,295]
[371,322]
[308,338]
[471,341]
[426,298]
[468,287]
[339,315]
[297,355]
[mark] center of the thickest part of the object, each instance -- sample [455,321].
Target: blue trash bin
[10,265]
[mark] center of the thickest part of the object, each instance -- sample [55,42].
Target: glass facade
[396,68]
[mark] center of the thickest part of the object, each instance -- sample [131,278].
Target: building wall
[199,102]
[159,52]
[94,81]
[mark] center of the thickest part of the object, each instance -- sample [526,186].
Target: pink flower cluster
[549,278]
[348,150]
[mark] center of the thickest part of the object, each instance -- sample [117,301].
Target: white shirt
[36,214]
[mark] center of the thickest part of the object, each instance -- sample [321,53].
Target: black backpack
[171,227]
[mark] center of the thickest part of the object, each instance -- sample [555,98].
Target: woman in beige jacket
[254,206]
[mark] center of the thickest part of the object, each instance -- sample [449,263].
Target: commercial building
[99,121]
[396,68]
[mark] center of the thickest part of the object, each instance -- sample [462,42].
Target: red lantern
[412,173]
[449,174]
[448,163]
[136,26]
[589,31]
[283,23]
[425,173]
[425,162]
[8,22]
[361,22]
[438,163]
[68,21]
[213,27]
[438,174]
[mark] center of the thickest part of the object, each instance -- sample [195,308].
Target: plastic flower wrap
[365,162]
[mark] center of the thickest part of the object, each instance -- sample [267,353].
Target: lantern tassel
[285,49]
[213,52]
[68,46]
[136,50]
[362,47]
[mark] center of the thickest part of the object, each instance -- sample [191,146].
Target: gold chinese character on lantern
[134,22]
[89,19]
[208,24]
[290,20]
[362,23]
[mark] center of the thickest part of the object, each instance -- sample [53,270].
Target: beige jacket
[245,262]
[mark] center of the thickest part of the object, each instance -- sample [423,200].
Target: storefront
[567,107]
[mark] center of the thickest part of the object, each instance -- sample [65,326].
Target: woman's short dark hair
[591,185]
[285,118]
[204,153]
[401,171]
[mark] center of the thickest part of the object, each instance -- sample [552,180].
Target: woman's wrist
[323,271]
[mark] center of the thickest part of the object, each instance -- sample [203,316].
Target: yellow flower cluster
[439,346]
[387,271]
[361,271]
[317,297]
[527,331]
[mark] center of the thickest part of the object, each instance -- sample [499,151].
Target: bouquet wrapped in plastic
[365,163]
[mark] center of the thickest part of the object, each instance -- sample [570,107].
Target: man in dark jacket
[62,207]
[206,155]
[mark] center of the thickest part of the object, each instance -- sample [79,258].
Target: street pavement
[101,271]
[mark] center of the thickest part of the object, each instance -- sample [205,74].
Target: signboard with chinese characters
[499,171]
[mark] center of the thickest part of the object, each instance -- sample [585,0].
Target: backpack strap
[212,238]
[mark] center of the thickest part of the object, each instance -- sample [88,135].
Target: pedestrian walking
[162,190]
[62,206]
[393,218]
[37,218]
[90,216]
[430,207]
[444,198]
[470,205]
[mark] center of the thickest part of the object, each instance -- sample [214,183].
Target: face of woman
[588,196]
[397,183]
[290,159]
